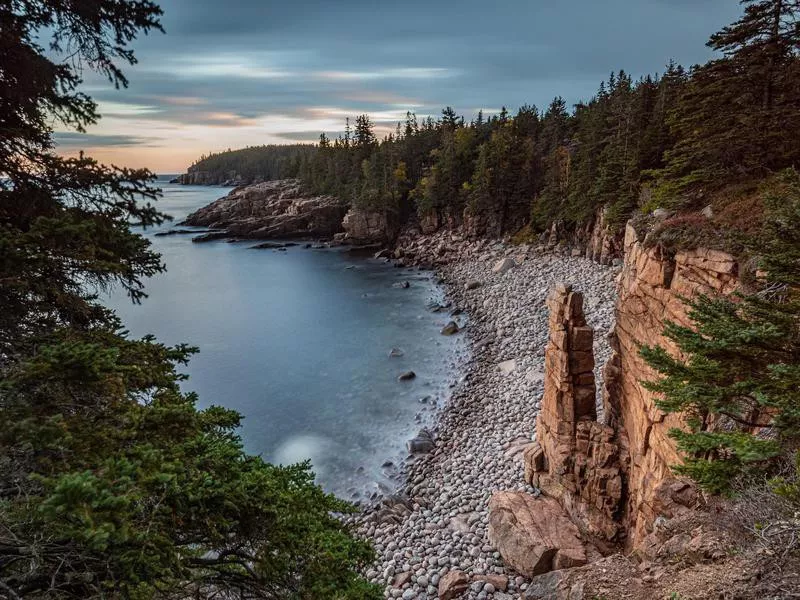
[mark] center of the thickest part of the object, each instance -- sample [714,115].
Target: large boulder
[533,535]
[422,443]
[450,329]
[503,265]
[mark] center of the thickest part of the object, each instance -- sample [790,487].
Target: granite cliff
[614,477]
[273,209]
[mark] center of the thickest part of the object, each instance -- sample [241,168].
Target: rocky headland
[273,209]
[547,474]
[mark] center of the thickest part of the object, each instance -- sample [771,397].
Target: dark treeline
[681,139]
[253,163]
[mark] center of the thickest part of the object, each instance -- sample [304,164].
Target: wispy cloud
[249,72]
[71,140]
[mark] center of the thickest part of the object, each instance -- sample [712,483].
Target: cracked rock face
[650,288]
[532,534]
[272,209]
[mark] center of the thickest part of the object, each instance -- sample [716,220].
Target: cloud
[68,141]
[249,72]
[306,136]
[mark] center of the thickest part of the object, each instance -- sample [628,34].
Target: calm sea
[298,342]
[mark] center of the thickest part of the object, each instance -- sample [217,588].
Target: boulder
[545,587]
[401,579]
[450,329]
[407,376]
[453,585]
[503,265]
[422,443]
[396,353]
[533,535]
[472,285]
[401,284]
[507,366]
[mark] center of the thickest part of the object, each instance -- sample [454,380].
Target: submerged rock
[396,353]
[210,237]
[176,232]
[267,246]
[450,329]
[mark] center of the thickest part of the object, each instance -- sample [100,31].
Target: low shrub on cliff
[737,379]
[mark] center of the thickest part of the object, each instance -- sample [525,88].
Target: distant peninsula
[254,164]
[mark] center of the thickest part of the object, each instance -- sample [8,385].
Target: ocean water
[298,342]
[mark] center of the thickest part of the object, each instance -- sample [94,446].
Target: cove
[298,342]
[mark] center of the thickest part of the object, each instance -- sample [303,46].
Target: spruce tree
[112,483]
[737,377]
[737,117]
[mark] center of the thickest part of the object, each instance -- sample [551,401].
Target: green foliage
[112,483]
[255,163]
[736,118]
[788,487]
[738,372]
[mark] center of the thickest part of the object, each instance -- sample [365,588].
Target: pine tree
[739,370]
[737,117]
[112,483]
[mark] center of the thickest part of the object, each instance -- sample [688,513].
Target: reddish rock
[401,579]
[577,459]
[453,585]
[533,535]
[650,288]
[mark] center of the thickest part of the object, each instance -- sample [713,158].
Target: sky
[248,72]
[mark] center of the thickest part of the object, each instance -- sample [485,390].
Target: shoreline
[436,522]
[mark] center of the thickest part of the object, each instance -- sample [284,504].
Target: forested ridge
[248,165]
[681,139]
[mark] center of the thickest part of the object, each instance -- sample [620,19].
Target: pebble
[438,520]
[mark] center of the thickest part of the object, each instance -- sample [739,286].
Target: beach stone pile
[431,537]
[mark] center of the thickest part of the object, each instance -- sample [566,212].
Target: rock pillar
[576,459]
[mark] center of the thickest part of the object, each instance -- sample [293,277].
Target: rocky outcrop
[598,240]
[604,241]
[614,479]
[274,209]
[576,459]
[532,534]
[650,289]
[366,227]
